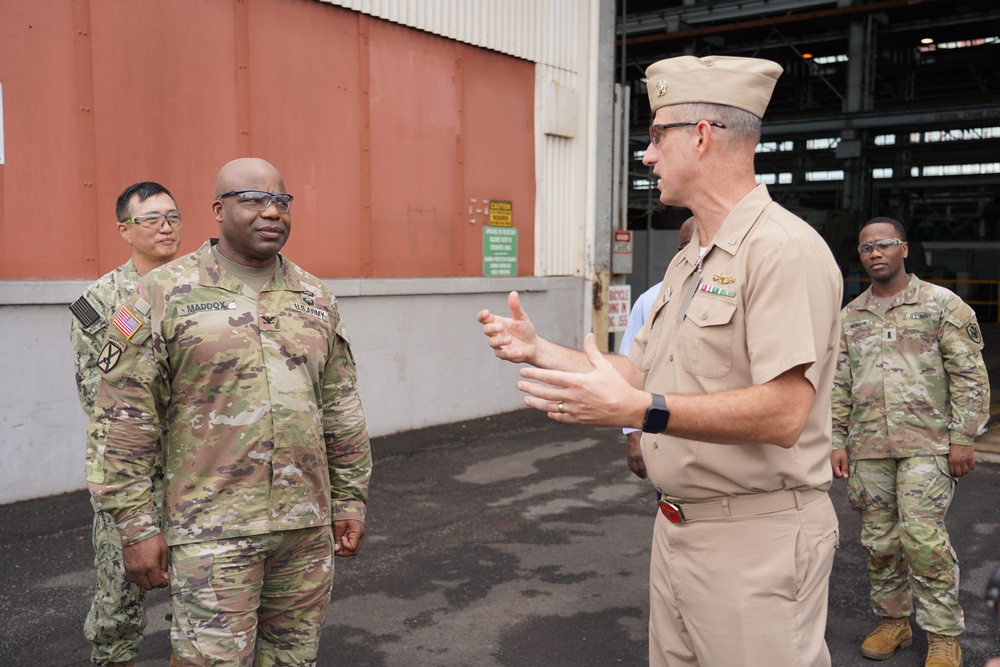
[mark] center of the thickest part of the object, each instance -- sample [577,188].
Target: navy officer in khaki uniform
[730,380]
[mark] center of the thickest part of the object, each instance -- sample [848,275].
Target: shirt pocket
[706,337]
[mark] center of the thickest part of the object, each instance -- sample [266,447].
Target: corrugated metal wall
[542,31]
[383,133]
[555,35]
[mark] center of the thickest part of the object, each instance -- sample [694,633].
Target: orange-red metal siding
[383,133]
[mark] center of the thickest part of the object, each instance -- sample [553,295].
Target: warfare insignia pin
[723,279]
[661,88]
[108,358]
[974,333]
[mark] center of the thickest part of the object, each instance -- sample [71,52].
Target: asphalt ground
[511,541]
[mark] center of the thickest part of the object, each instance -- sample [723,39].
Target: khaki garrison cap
[744,83]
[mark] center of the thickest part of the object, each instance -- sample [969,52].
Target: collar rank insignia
[723,279]
[661,88]
[666,295]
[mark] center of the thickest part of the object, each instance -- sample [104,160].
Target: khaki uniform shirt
[768,301]
[263,422]
[910,379]
[92,313]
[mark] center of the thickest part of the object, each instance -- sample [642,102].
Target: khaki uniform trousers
[744,590]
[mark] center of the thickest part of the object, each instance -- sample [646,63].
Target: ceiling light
[927,40]
[807,56]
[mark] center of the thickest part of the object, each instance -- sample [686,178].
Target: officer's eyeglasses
[656,131]
[154,221]
[682,245]
[258,200]
[881,244]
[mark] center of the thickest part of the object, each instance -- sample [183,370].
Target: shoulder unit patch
[109,357]
[974,333]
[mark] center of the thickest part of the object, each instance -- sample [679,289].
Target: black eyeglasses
[258,200]
[656,130]
[682,245]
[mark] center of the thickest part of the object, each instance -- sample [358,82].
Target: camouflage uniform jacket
[264,427]
[911,380]
[92,313]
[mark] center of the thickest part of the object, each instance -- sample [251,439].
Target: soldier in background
[910,394]
[243,359]
[148,220]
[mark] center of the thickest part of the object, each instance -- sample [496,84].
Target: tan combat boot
[173,660]
[891,633]
[943,651]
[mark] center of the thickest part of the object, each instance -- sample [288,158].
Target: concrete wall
[422,360]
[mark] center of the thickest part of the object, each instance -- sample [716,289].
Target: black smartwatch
[657,416]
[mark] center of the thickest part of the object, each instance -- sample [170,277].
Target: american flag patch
[126,322]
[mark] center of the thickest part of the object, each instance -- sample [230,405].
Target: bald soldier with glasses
[241,358]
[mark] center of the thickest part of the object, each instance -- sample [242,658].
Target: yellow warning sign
[501,213]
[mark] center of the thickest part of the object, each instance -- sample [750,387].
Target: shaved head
[248,234]
[235,174]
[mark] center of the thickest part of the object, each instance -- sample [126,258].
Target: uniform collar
[735,227]
[909,295]
[213,275]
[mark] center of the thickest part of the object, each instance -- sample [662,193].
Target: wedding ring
[560,408]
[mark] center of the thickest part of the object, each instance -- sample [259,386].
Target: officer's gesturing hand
[512,338]
[600,396]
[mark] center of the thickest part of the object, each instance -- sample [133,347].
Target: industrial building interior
[885,107]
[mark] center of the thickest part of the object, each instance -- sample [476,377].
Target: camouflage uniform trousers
[255,601]
[911,562]
[117,616]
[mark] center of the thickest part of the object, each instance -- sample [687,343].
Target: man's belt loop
[798,499]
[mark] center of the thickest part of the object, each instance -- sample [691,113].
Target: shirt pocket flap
[711,312]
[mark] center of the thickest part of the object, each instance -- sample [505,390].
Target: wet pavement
[510,541]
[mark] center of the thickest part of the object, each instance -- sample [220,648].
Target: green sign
[499,251]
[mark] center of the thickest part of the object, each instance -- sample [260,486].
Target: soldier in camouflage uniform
[910,394]
[148,220]
[243,359]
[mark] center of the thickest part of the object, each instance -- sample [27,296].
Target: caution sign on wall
[501,213]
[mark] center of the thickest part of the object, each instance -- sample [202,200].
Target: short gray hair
[742,125]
